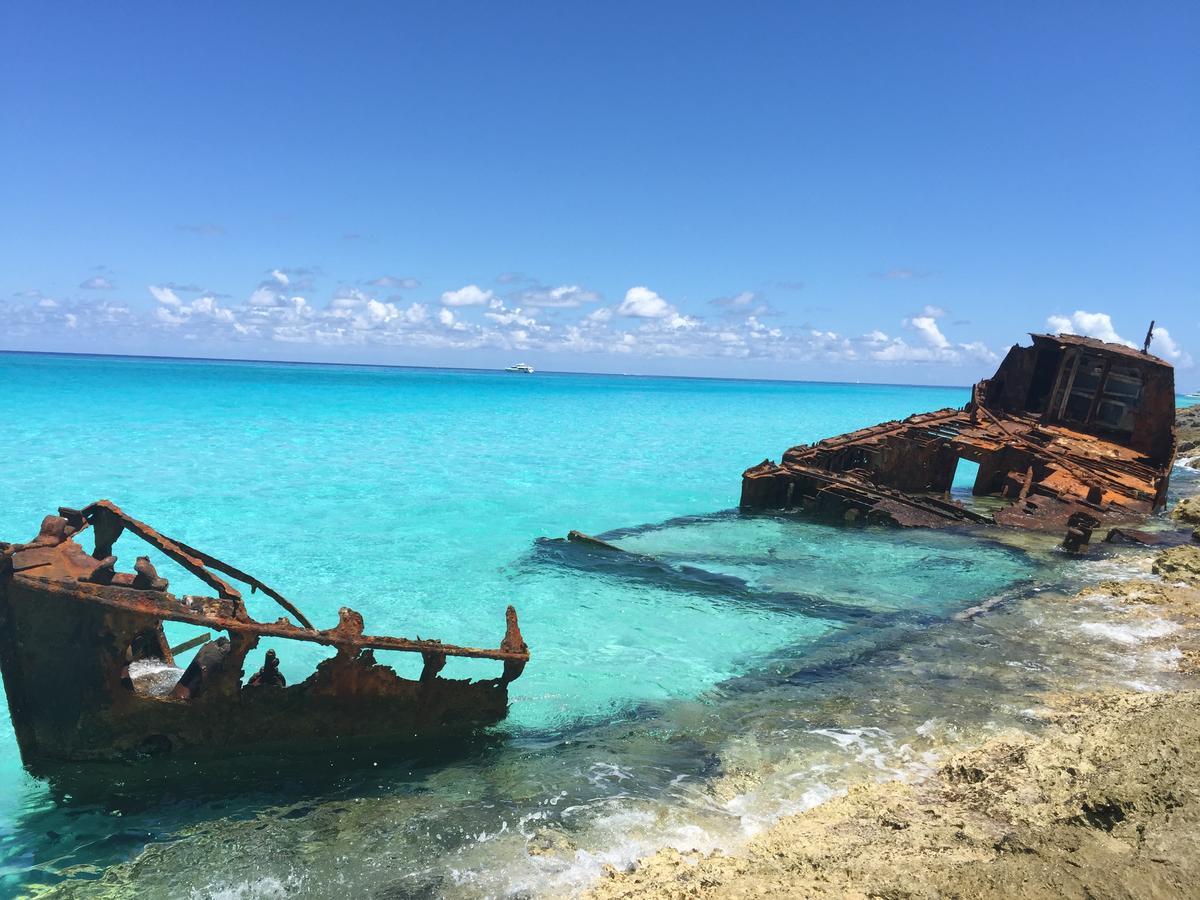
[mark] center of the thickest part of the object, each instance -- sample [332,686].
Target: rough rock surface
[1179,564]
[1187,511]
[1187,425]
[1106,805]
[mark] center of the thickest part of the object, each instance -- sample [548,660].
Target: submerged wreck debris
[89,674]
[1069,434]
[578,537]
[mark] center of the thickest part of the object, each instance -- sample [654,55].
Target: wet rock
[1179,564]
[1187,511]
[1133,591]
[550,842]
[734,783]
[1105,805]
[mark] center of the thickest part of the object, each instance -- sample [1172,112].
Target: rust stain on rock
[89,674]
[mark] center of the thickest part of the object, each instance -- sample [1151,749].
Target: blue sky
[887,192]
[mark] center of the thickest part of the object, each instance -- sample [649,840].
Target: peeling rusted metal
[74,632]
[1071,432]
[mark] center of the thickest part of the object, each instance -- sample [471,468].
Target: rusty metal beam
[347,635]
[107,509]
[195,560]
[253,582]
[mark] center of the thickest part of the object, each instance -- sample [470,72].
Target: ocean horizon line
[366,365]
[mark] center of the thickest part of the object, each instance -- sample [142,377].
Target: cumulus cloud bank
[469,295]
[1100,325]
[527,316]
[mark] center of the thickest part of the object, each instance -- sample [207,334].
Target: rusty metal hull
[1059,457]
[69,647]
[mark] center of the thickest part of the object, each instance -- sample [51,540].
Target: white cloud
[97,283]
[744,303]
[566,296]
[395,282]
[264,295]
[643,324]
[677,321]
[643,303]
[897,350]
[1088,324]
[512,317]
[469,295]
[165,296]
[934,347]
[1164,345]
[1100,326]
[348,298]
[280,276]
[739,301]
[928,328]
[173,312]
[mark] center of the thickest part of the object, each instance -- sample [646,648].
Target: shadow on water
[658,573]
[131,787]
[673,573]
[102,813]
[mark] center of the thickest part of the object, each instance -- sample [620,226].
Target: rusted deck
[1071,432]
[75,633]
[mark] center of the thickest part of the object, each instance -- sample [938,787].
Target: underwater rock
[550,842]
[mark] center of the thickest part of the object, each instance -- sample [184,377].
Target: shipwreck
[1069,434]
[89,674]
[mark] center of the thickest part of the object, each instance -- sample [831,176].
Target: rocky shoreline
[1104,802]
[1187,432]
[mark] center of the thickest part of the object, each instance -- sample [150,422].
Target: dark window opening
[1091,390]
[1042,381]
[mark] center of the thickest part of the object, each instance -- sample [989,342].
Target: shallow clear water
[430,499]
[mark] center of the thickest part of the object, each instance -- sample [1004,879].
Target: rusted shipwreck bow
[89,674]
[1070,433]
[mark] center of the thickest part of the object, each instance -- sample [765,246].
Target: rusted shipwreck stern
[1072,432]
[89,674]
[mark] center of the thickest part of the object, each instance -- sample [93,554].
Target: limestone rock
[1179,564]
[550,842]
[1187,511]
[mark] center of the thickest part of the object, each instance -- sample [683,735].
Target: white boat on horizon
[525,368]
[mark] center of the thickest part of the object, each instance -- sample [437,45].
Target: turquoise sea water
[422,498]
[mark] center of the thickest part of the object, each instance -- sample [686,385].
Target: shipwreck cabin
[1071,432]
[1108,390]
